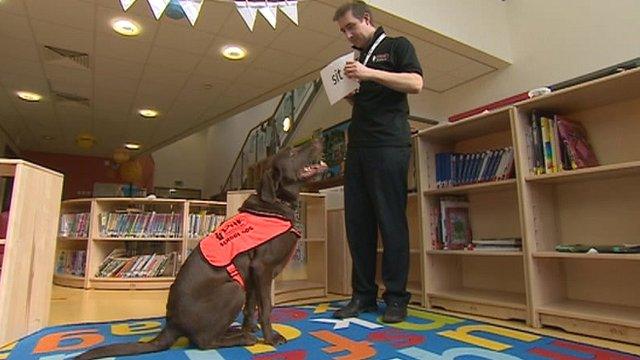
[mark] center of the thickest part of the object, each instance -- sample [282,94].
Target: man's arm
[410,83]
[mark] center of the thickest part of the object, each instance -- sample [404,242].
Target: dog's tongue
[312,170]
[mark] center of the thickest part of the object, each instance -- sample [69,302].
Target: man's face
[357,31]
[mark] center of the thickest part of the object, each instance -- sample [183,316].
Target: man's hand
[355,70]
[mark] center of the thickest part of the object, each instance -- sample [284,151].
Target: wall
[81,172]
[481,24]
[554,41]
[184,160]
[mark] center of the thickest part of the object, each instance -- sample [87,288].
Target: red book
[491,106]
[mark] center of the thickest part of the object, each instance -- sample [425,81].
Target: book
[455,222]
[574,136]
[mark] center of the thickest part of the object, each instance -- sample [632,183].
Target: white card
[336,84]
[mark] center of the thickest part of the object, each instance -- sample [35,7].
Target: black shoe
[394,313]
[354,308]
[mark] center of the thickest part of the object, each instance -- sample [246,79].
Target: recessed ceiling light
[132,146]
[234,52]
[46,137]
[29,96]
[148,113]
[125,27]
[286,124]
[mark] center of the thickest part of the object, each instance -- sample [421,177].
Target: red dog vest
[238,234]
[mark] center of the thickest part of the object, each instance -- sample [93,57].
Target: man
[378,150]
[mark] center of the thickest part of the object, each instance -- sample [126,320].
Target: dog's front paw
[250,339]
[249,328]
[276,339]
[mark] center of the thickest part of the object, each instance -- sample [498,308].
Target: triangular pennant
[192,9]
[269,12]
[158,6]
[290,8]
[126,4]
[248,13]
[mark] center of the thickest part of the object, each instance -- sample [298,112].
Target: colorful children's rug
[312,334]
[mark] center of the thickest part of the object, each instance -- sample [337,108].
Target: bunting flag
[158,6]
[191,8]
[248,9]
[126,4]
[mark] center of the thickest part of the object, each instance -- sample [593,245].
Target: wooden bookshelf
[630,168]
[306,278]
[29,253]
[474,188]
[585,293]
[498,304]
[98,246]
[599,256]
[590,294]
[475,253]
[476,282]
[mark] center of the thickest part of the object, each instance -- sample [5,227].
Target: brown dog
[204,300]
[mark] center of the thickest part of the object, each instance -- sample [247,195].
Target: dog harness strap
[239,234]
[235,274]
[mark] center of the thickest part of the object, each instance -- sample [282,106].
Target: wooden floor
[69,306]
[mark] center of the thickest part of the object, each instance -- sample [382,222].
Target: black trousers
[375,196]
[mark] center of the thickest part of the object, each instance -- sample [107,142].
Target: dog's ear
[269,185]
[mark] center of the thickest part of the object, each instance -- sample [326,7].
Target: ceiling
[171,66]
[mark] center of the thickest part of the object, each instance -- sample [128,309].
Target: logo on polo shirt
[380,58]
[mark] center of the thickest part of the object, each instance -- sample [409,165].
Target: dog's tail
[163,341]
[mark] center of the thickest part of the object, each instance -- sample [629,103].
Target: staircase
[266,138]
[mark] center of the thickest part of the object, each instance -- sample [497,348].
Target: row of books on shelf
[557,144]
[74,225]
[140,224]
[454,169]
[119,265]
[202,224]
[451,229]
[71,262]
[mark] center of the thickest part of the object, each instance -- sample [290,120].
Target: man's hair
[358,8]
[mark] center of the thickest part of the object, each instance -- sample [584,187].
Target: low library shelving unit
[129,243]
[589,293]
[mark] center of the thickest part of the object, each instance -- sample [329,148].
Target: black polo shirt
[380,114]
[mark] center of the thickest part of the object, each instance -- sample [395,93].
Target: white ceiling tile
[109,67]
[319,17]
[73,13]
[245,91]
[278,61]
[300,41]
[13,66]
[139,8]
[164,76]
[118,47]
[20,49]
[336,49]
[206,84]
[261,78]
[35,82]
[13,6]
[105,17]
[116,84]
[160,102]
[62,36]
[227,70]
[173,59]
[183,38]
[15,26]
[309,67]
[213,15]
